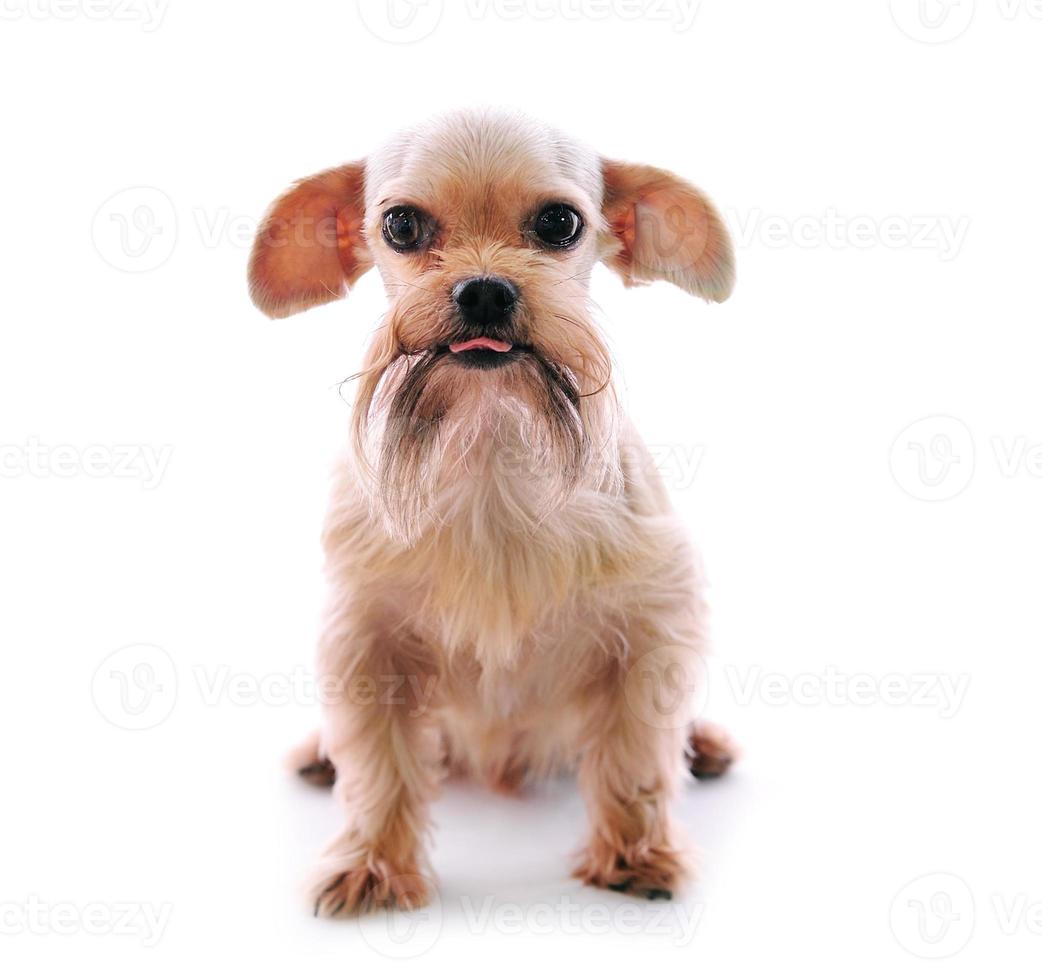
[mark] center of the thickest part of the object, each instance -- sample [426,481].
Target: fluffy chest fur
[496,568]
[493,572]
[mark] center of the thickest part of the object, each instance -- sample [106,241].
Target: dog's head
[485,227]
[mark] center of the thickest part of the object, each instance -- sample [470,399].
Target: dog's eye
[405,228]
[558,225]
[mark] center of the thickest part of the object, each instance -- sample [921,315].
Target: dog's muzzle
[486,307]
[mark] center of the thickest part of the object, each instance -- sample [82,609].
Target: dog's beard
[526,430]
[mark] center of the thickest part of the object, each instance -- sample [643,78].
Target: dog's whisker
[403,282]
[583,277]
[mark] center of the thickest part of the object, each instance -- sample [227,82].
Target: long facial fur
[545,419]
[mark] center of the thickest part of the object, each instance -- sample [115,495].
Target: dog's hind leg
[710,750]
[308,762]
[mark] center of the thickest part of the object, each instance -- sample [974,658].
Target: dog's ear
[310,246]
[663,228]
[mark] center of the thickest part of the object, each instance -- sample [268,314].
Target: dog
[501,550]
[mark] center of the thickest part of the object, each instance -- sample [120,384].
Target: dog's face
[485,228]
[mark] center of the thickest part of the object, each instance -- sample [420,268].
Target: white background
[875,587]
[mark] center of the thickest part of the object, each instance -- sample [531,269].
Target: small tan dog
[512,593]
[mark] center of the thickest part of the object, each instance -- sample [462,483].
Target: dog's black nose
[485,302]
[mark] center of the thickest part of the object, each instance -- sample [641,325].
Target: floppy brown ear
[664,228]
[310,247]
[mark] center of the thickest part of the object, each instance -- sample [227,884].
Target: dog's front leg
[378,735]
[629,768]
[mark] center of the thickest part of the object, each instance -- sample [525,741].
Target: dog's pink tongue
[481,343]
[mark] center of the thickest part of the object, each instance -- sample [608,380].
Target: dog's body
[504,559]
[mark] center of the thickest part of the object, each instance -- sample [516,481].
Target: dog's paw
[318,773]
[308,762]
[371,885]
[711,751]
[645,871]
